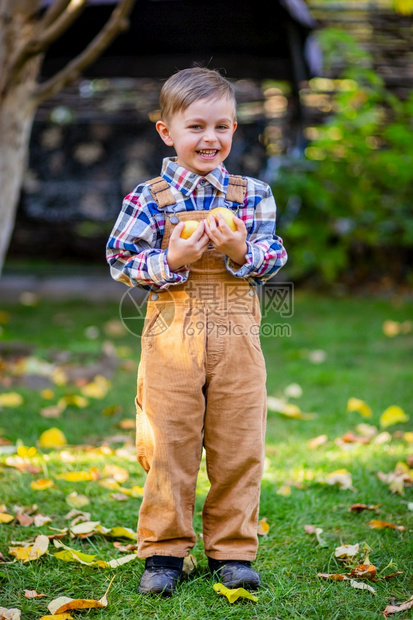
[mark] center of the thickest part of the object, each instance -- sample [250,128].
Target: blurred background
[325,117]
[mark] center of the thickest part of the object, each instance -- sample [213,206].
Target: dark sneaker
[235,573]
[161,575]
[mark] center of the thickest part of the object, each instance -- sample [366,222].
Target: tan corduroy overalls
[201,384]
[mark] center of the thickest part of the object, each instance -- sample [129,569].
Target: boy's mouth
[208,153]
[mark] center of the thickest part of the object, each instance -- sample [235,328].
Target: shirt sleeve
[266,253]
[134,252]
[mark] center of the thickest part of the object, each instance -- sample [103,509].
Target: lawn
[335,349]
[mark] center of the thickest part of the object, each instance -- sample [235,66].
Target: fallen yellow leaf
[393,415]
[233,595]
[391,328]
[6,518]
[263,527]
[76,500]
[120,474]
[10,399]
[76,476]
[52,438]
[98,388]
[73,399]
[316,442]
[64,603]
[189,565]
[376,524]
[342,478]
[42,484]
[26,453]
[31,552]
[47,394]
[72,555]
[356,404]
[284,490]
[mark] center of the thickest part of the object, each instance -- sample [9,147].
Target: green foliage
[355,182]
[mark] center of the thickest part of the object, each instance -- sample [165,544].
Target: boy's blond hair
[193,84]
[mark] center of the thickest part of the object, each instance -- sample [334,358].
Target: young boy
[201,378]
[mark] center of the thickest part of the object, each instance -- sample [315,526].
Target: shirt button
[154,296]
[202,182]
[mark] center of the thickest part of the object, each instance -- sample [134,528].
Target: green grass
[359,361]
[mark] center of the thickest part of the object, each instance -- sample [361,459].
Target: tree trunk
[16,120]
[24,38]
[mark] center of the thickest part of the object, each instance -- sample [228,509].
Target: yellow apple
[190,227]
[227,214]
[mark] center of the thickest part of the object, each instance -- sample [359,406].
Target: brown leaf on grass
[395,609]
[360,507]
[312,529]
[53,411]
[33,594]
[64,603]
[398,572]
[316,442]
[22,464]
[351,437]
[364,571]
[10,614]
[24,519]
[333,577]
[125,548]
[376,524]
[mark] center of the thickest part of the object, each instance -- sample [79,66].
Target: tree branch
[53,12]
[38,44]
[117,22]
[57,28]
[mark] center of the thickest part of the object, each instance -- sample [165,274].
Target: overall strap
[237,188]
[162,195]
[161,192]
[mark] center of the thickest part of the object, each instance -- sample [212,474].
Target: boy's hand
[186,251]
[231,243]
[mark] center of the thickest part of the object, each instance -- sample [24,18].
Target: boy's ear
[163,131]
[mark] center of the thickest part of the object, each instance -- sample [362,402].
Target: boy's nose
[209,135]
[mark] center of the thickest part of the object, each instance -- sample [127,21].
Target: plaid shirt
[134,248]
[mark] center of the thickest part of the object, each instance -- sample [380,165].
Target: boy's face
[201,134]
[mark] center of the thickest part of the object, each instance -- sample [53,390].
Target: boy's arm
[133,250]
[265,251]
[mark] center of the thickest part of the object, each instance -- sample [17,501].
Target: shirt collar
[186,181]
